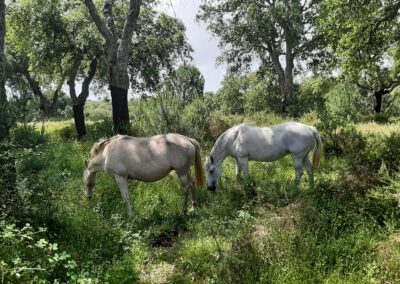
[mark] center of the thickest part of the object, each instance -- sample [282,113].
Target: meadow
[259,229]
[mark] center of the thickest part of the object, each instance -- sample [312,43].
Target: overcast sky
[204,44]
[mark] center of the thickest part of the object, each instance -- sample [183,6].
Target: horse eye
[211,171]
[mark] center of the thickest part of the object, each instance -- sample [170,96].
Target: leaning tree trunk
[78,102]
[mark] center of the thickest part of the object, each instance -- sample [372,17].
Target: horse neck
[96,164]
[219,152]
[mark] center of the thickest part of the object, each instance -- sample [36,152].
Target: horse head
[89,179]
[214,172]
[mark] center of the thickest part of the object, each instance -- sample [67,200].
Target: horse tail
[318,147]
[198,167]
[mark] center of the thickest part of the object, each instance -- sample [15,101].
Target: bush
[196,117]
[27,257]
[27,136]
[345,101]
[67,133]
[339,137]
[100,129]
[383,149]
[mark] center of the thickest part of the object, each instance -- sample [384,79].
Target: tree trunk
[119,98]
[285,76]
[4,118]
[79,118]
[378,101]
[119,84]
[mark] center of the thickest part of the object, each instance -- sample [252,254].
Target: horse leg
[298,166]
[192,190]
[123,187]
[183,177]
[238,169]
[307,164]
[244,165]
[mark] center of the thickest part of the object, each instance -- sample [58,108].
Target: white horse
[146,159]
[246,142]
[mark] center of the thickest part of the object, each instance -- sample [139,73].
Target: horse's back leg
[308,165]
[192,189]
[298,166]
[183,178]
[123,187]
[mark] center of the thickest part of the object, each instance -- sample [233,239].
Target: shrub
[339,137]
[196,117]
[384,149]
[27,136]
[67,133]
[346,102]
[100,129]
[27,257]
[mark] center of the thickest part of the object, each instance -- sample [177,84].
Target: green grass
[256,230]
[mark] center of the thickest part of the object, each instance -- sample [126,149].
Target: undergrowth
[259,229]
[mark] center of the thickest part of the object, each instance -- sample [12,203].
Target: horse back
[272,143]
[148,158]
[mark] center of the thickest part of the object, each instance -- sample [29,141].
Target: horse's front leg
[238,169]
[123,187]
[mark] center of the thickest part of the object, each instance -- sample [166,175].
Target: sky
[205,45]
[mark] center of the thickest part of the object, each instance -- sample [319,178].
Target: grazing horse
[145,159]
[246,142]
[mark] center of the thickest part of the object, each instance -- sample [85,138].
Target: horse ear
[86,163]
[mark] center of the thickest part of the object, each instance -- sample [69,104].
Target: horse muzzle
[212,188]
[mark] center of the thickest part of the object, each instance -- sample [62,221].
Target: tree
[364,37]
[4,123]
[277,33]
[84,58]
[117,46]
[159,46]
[37,43]
[186,82]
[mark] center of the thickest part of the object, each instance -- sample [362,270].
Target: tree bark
[79,119]
[285,76]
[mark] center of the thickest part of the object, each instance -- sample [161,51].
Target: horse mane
[97,147]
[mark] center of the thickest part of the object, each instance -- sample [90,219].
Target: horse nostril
[212,188]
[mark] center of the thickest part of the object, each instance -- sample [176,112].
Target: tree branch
[72,76]
[86,82]
[108,15]
[101,25]
[129,27]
